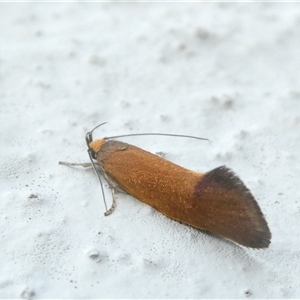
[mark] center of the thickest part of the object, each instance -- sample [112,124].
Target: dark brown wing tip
[259,235]
[261,242]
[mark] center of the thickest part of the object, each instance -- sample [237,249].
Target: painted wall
[229,72]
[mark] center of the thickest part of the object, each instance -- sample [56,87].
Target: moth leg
[113,186]
[113,205]
[84,165]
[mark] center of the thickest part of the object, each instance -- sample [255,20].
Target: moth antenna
[100,181]
[98,126]
[89,138]
[163,134]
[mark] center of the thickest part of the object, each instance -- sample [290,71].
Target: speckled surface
[228,72]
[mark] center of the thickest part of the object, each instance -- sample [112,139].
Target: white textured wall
[226,71]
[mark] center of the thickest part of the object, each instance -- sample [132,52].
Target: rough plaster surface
[226,71]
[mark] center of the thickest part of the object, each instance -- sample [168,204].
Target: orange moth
[216,201]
